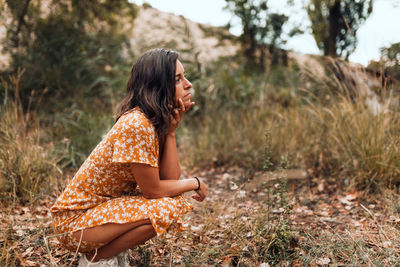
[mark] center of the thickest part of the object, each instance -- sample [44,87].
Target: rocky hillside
[195,41]
[153,28]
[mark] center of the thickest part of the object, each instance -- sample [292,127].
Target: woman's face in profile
[182,85]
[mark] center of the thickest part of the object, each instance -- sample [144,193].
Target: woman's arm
[170,168]
[169,164]
[148,179]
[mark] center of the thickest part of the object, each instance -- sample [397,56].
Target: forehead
[179,67]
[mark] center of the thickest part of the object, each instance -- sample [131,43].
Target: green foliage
[226,85]
[146,5]
[76,59]
[390,60]
[231,110]
[68,50]
[260,27]
[335,23]
[78,133]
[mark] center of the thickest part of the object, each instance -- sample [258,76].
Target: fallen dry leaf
[31,263]
[323,261]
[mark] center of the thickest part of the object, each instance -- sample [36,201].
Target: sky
[382,28]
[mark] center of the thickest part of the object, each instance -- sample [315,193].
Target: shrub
[77,132]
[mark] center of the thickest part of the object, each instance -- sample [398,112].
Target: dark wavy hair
[151,87]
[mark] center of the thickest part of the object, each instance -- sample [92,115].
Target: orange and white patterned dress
[104,189]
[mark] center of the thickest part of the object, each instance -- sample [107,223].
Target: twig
[48,250]
[375,220]
[170,256]
[48,247]
[349,234]
[336,234]
[77,250]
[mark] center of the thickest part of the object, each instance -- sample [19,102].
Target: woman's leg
[107,232]
[126,241]
[116,237]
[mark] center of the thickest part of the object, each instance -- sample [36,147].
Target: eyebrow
[179,74]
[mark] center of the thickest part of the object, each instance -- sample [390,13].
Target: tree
[67,48]
[390,59]
[335,23]
[261,30]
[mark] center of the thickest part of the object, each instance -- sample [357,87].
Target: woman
[101,213]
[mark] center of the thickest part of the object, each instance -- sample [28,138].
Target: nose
[188,84]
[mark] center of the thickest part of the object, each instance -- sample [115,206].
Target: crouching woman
[128,189]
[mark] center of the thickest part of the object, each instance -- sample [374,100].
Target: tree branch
[21,21]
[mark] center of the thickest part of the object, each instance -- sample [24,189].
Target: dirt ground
[333,226]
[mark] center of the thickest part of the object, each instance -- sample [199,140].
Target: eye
[178,79]
[188,76]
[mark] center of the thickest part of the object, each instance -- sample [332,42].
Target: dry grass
[340,139]
[334,133]
[27,169]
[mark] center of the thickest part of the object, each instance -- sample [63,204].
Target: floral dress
[104,189]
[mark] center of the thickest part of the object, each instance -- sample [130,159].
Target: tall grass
[357,143]
[335,133]
[27,168]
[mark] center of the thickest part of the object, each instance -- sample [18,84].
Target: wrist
[198,184]
[192,184]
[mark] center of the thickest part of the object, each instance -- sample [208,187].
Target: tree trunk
[335,15]
[21,21]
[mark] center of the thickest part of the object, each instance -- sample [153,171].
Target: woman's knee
[150,229]
[140,234]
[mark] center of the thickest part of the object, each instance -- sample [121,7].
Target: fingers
[181,105]
[197,196]
[201,194]
[184,107]
[177,113]
[189,106]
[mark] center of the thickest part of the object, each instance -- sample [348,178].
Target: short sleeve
[135,140]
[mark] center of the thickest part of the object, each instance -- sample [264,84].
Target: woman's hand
[201,193]
[177,114]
